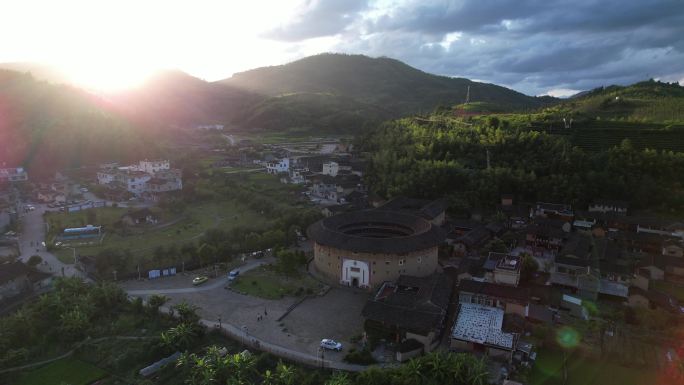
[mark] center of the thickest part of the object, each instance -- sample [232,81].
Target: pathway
[31,238]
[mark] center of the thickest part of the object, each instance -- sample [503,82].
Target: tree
[34,260]
[187,313]
[528,268]
[180,337]
[206,253]
[155,301]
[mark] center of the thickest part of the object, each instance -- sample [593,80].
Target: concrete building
[366,248]
[16,174]
[278,166]
[331,168]
[478,329]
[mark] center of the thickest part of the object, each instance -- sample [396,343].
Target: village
[388,279]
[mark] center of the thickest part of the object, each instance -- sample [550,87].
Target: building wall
[382,266]
[636,300]
[506,277]
[461,345]
[515,308]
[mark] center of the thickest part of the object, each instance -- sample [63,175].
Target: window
[419,260]
[387,262]
[401,262]
[355,270]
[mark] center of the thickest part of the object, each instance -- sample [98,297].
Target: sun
[107,75]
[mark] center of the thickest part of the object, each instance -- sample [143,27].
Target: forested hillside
[446,156]
[384,82]
[45,127]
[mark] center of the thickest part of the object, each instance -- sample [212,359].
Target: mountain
[176,98]
[38,71]
[46,127]
[383,82]
[643,102]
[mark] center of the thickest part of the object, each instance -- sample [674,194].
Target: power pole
[488,160]
[467,96]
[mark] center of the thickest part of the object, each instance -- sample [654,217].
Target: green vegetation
[66,371]
[585,371]
[267,282]
[383,82]
[60,127]
[74,311]
[445,156]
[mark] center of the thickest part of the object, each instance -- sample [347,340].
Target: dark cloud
[318,18]
[534,46]
[530,45]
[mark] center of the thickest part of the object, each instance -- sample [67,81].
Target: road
[223,281]
[31,237]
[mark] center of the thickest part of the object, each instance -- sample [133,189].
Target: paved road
[32,235]
[223,281]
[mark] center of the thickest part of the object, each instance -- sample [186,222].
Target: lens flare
[567,337]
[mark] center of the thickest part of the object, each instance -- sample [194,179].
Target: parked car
[84,190]
[331,344]
[200,280]
[232,276]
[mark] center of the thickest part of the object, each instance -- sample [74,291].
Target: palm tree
[181,337]
[156,301]
[186,312]
[339,379]
[285,374]
[411,372]
[477,372]
[373,376]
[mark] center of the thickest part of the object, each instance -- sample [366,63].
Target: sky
[533,46]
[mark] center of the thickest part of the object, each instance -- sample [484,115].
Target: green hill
[385,82]
[648,101]
[46,127]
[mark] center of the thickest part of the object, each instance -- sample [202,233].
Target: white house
[331,168]
[152,166]
[17,174]
[276,167]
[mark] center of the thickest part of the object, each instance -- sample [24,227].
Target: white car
[331,344]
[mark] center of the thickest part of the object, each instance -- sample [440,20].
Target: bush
[34,260]
[361,357]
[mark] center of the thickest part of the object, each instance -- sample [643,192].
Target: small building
[411,308]
[609,206]
[507,270]
[277,166]
[510,299]
[15,174]
[553,211]
[478,328]
[546,235]
[331,168]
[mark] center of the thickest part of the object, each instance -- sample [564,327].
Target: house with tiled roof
[410,308]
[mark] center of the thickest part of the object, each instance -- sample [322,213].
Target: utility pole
[467,96]
[488,161]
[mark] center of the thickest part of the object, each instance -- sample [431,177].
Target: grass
[64,255]
[265,282]
[585,371]
[66,371]
[197,220]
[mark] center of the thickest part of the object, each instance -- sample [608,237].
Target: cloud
[318,18]
[534,46]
